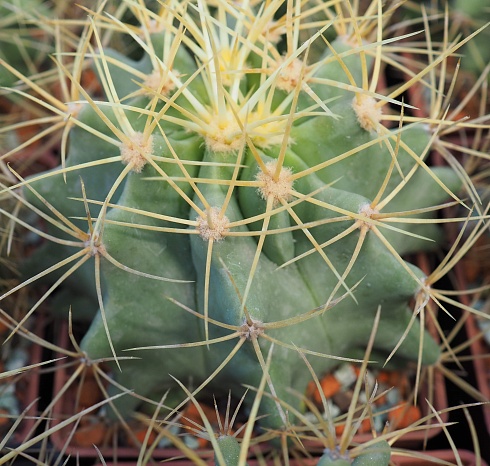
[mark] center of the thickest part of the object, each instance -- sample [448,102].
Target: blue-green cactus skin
[334,458]
[377,454]
[21,50]
[148,312]
[230,449]
[475,54]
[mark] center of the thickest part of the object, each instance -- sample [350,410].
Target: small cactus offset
[375,454]
[242,189]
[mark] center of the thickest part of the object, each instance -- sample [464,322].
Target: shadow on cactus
[230,193]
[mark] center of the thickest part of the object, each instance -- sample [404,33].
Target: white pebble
[164,441]
[393,397]
[10,403]
[191,441]
[333,410]
[346,375]
[310,417]
[379,423]
[363,398]
[17,359]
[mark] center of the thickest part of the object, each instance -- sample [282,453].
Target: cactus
[21,45]
[472,16]
[375,454]
[229,194]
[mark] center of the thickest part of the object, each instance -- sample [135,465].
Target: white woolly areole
[352,40]
[367,211]
[368,114]
[156,82]
[279,188]
[274,31]
[290,75]
[136,152]
[73,109]
[153,27]
[213,226]
[423,294]
[94,245]
[252,331]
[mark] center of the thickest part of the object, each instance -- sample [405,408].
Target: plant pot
[467,458]
[481,363]
[115,445]
[426,458]
[413,439]
[92,434]
[474,270]
[25,386]
[67,406]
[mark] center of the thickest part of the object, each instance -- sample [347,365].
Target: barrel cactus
[237,192]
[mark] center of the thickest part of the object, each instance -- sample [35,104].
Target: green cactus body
[377,454]
[474,15]
[163,215]
[230,449]
[18,45]
[333,457]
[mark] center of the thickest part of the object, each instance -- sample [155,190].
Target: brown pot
[414,439]
[467,458]
[473,268]
[426,458]
[481,362]
[93,432]
[27,390]
[82,443]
